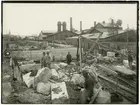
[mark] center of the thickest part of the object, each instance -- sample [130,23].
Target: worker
[90,82]
[43,61]
[17,75]
[78,57]
[69,58]
[130,60]
[48,59]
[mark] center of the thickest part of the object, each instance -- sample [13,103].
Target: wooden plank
[94,97]
[111,49]
[124,70]
[108,70]
[118,85]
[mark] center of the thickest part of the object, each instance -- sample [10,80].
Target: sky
[29,19]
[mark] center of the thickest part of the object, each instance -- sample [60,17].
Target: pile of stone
[46,80]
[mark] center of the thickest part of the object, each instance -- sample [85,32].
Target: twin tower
[64,25]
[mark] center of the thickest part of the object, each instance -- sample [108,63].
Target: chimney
[94,23]
[70,23]
[64,26]
[112,22]
[80,26]
[59,26]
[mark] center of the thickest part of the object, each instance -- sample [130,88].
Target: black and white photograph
[69,52]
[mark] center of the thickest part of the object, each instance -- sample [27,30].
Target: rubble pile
[62,83]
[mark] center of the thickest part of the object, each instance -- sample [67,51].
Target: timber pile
[111,79]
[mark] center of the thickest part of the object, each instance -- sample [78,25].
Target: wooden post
[127,36]
[80,51]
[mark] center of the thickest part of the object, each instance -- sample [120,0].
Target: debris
[108,59]
[125,63]
[28,67]
[95,95]
[55,75]
[62,65]
[59,93]
[31,97]
[116,84]
[7,89]
[78,79]
[124,70]
[111,54]
[103,97]
[43,75]
[29,81]
[55,66]
[44,88]
[110,71]
[115,97]
[73,64]
[6,78]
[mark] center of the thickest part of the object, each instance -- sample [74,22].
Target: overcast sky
[27,19]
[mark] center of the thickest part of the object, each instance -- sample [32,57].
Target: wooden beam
[94,97]
[103,46]
[118,85]
[108,70]
[94,44]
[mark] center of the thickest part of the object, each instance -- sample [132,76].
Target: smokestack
[80,26]
[64,26]
[94,23]
[70,23]
[59,26]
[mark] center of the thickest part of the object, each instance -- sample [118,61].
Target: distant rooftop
[95,35]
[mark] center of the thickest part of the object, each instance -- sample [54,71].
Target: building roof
[108,25]
[91,36]
[48,32]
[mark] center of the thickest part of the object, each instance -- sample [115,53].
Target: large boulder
[78,79]
[55,75]
[44,88]
[43,75]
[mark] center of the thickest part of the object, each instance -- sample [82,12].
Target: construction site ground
[24,95]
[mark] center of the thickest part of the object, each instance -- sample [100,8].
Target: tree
[119,22]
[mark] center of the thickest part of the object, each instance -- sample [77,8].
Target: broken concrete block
[7,89]
[62,65]
[29,81]
[44,88]
[55,66]
[43,75]
[55,75]
[59,94]
[78,79]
